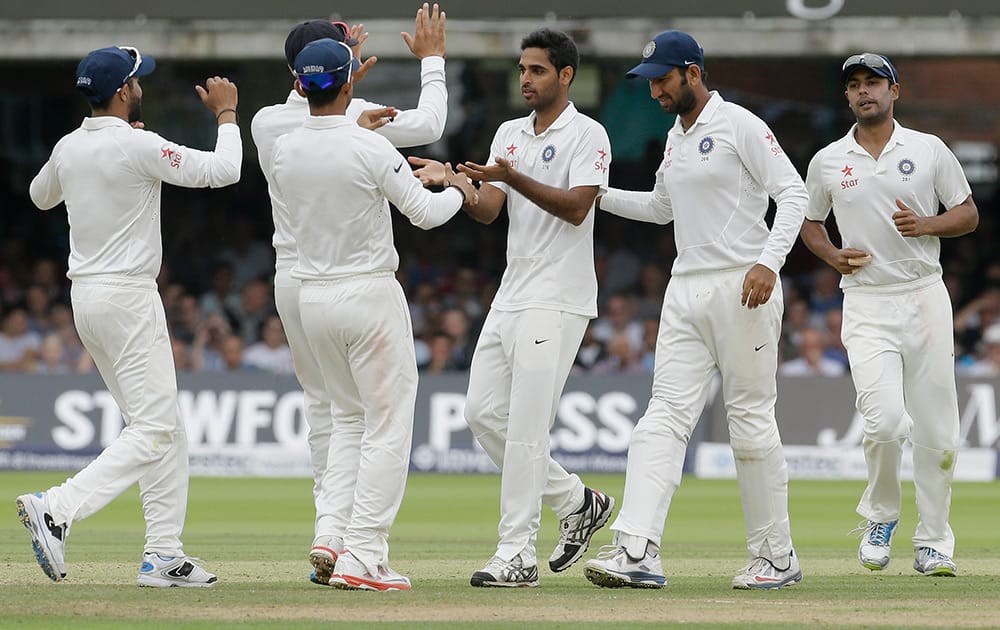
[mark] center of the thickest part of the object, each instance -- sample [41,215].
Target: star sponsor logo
[172,155]
[511,148]
[601,163]
[848,172]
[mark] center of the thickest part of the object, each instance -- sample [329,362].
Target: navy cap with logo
[324,63]
[311,30]
[668,50]
[104,71]
[879,64]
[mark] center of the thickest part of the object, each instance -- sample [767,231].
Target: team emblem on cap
[906,167]
[84,81]
[548,153]
[706,145]
[648,51]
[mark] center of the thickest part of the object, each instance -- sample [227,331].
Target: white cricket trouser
[362,338]
[123,327]
[333,478]
[900,343]
[703,327]
[518,371]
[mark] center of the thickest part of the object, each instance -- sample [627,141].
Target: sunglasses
[323,80]
[873,61]
[137,57]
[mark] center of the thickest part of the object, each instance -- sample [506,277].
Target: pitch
[255,534]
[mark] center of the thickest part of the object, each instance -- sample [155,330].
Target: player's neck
[874,136]
[545,117]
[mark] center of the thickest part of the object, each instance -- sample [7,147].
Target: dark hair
[321,98]
[562,51]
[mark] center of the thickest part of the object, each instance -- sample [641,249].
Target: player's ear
[298,88]
[566,75]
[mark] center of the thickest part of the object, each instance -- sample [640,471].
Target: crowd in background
[227,321]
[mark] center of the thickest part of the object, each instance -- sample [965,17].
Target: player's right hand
[218,94]
[375,118]
[428,37]
[430,173]
[842,260]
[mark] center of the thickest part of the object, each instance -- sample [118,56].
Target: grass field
[255,534]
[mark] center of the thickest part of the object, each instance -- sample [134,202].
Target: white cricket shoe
[504,573]
[48,539]
[576,530]
[876,538]
[323,556]
[167,571]
[761,573]
[351,574]
[930,561]
[614,568]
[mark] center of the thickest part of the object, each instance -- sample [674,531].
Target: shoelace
[609,551]
[876,533]
[934,554]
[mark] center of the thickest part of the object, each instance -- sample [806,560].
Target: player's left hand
[138,124]
[907,221]
[375,118]
[757,286]
[501,171]
[430,172]
[428,32]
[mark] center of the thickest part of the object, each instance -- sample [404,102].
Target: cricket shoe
[762,574]
[576,530]
[506,573]
[323,557]
[876,539]
[932,562]
[350,574]
[166,571]
[614,568]
[47,538]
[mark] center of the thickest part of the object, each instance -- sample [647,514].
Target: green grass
[255,534]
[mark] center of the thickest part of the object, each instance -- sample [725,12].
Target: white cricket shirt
[550,262]
[714,183]
[411,127]
[337,180]
[917,168]
[109,175]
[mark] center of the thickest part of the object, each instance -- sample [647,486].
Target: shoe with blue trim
[48,539]
[876,539]
[614,568]
[932,562]
[167,571]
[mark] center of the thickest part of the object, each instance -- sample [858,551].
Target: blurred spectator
[187,319]
[653,284]
[248,259]
[618,317]
[425,305]
[441,347]
[466,295]
[38,304]
[796,320]
[455,324]
[46,274]
[231,351]
[835,348]
[271,353]
[621,357]
[182,355]
[989,364]
[19,346]
[826,293]
[591,352]
[223,297]
[811,361]
[651,332]
[255,307]
[206,345]
[972,320]
[52,356]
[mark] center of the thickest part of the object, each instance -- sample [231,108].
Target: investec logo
[979,411]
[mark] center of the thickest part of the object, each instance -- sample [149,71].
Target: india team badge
[906,167]
[706,145]
[548,153]
[648,50]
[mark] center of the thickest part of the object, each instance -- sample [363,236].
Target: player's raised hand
[500,171]
[218,94]
[428,37]
[907,221]
[757,286]
[359,75]
[358,35]
[375,118]
[430,172]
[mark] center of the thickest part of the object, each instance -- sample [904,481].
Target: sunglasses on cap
[324,80]
[873,61]
[137,57]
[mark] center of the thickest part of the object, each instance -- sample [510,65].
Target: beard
[134,110]
[685,101]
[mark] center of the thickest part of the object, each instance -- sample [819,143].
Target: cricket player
[548,167]
[109,173]
[423,125]
[884,183]
[721,312]
[337,180]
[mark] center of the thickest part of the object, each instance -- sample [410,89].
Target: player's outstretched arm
[221,97]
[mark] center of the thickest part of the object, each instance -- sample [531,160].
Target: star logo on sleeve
[511,149]
[602,153]
[769,137]
[847,171]
[168,153]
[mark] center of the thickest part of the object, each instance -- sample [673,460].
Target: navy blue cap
[104,71]
[324,63]
[310,31]
[668,50]
[879,64]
